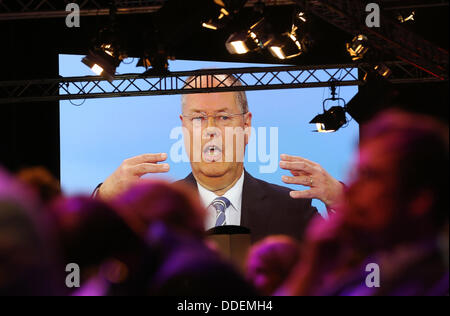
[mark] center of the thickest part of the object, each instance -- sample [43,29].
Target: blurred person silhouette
[394,215]
[42,182]
[107,251]
[271,261]
[171,219]
[28,264]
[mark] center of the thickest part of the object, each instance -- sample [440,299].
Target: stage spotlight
[302,16]
[358,47]
[404,17]
[156,64]
[240,43]
[291,45]
[106,52]
[259,36]
[383,70]
[211,25]
[220,20]
[103,61]
[261,33]
[144,62]
[331,120]
[215,24]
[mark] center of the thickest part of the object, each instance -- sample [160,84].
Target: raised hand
[310,174]
[130,171]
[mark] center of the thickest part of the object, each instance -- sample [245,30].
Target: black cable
[84,100]
[132,61]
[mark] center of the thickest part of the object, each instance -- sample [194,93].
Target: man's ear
[248,120]
[247,127]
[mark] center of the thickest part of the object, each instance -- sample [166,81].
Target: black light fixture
[103,61]
[380,70]
[333,119]
[358,47]
[406,16]
[240,43]
[383,70]
[156,64]
[106,53]
[259,36]
[222,18]
[293,43]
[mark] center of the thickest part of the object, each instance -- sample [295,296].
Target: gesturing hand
[310,174]
[130,171]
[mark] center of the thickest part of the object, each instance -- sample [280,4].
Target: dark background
[29,50]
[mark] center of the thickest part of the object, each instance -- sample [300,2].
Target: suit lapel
[190,180]
[255,214]
[254,211]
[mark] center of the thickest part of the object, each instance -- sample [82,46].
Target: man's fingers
[144,168]
[146,158]
[298,173]
[307,194]
[297,166]
[302,180]
[290,158]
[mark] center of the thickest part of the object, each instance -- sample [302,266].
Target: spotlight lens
[209,26]
[224,12]
[239,47]
[322,129]
[278,52]
[97,69]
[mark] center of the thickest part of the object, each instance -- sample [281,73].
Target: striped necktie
[221,204]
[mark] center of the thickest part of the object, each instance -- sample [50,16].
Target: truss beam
[266,78]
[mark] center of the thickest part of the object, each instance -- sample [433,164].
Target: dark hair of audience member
[42,182]
[100,242]
[271,261]
[420,149]
[28,264]
[175,205]
[171,219]
[397,204]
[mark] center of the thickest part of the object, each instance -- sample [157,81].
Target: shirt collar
[234,194]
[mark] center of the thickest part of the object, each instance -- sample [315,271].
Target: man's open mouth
[212,153]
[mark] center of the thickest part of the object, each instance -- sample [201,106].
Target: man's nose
[211,131]
[211,122]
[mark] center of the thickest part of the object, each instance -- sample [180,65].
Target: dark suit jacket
[267,209]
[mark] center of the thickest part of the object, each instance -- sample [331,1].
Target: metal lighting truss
[266,78]
[391,37]
[39,9]
[42,9]
[348,15]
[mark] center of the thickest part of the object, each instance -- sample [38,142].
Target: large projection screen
[98,134]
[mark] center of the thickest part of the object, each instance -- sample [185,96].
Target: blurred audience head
[41,181]
[393,213]
[271,261]
[93,236]
[400,191]
[27,264]
[156,202]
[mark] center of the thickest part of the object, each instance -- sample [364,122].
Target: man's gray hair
[222,81]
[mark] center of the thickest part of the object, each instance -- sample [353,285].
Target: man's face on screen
[217,139]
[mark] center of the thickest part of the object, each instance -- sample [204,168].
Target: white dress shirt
[232,213]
